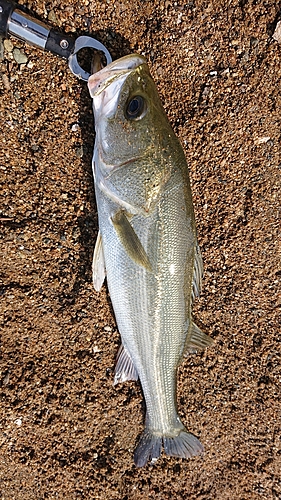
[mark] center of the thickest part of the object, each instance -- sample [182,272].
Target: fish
[146,247]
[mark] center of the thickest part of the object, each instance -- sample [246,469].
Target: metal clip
[15,22]
[80,43]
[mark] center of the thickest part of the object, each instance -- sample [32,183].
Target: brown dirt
[66,432]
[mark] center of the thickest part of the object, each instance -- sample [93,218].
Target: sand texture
[65,431]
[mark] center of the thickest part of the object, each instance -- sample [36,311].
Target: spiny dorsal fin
[98,264]
[197,273]
[130,240]
[124,369]
[198,339]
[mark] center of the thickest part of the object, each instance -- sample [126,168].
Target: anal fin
[125,369]
[197,272]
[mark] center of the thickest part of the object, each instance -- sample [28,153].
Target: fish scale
[149,246]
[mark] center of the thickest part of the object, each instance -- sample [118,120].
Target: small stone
[262,140]
[19,56]
[75,127]
[277,33]
[254,42]
[18,422]
[8,46]
[159,71]
[79,152]
[52,17]
[6,82]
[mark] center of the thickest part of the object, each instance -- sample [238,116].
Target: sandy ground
[66,432]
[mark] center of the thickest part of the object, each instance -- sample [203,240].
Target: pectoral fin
[98,264]
[130,240]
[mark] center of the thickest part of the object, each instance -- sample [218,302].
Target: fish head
[133,136]
[124,107]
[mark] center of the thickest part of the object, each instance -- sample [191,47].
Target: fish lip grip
[80,43]
[15,22]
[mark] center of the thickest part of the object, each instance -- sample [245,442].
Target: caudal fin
[185,445]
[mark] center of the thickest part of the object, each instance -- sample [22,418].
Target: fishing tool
[14,21]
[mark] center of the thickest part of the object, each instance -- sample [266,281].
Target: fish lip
[99,81]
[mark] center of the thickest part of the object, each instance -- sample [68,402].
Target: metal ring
[80,43]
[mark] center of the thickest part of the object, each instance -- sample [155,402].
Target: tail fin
[149,447]
[184,445]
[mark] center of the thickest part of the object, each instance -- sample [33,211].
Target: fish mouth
[116,72]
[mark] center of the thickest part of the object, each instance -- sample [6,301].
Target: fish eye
[135,108]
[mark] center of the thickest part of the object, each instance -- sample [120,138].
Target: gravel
[65,431]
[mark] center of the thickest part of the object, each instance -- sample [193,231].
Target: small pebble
[19,56]
[277,33]
[8,46]
[79,152]
[262,140]
[52,17]
[6,82]
[75,127]
[18,422]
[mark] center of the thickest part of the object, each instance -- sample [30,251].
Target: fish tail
[184,445]
[149,447]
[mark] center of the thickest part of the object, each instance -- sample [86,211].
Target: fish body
[147,246]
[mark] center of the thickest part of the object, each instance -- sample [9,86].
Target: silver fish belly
[147,246]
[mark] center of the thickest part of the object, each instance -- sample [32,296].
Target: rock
[19,56]
[79,152]
[277,33]
[8,45]
[52,17]
[5,80]
[75,127]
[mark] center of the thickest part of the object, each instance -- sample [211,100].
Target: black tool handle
[6,9]
[60,43]
[15,22]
